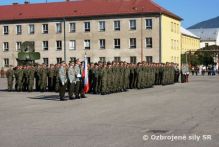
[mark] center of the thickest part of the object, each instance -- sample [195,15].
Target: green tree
[206,58]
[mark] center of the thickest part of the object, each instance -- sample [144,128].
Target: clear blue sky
[192,11]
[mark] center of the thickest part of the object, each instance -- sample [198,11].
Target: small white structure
[209,36]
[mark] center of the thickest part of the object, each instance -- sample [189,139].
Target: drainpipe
[64,40]
[142,50]
[160,39]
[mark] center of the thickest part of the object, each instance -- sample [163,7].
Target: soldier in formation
[104,78]
[2,72]
[10,77]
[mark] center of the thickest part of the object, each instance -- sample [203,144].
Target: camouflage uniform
[10,77]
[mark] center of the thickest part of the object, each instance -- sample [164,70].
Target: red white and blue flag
[85,75]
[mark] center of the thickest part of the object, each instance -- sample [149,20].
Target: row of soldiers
[56,78]
[28,76]
[118,77]
[104,78]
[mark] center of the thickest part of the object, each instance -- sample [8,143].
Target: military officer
[62,81]
[78,73]
[51,73]
[71,80]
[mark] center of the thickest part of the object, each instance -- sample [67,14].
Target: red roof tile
[83,8]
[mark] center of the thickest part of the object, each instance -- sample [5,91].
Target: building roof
[206,34]
[187,32]
[81,8]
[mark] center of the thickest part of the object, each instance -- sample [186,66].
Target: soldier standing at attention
[19,73]
[95,78]
[37,77]
[62,81]
[56,77]
[51,73]
[71,80]
[25,78]
[2,72]
[81,89]
[16,78]
[78,78]
[91,77]
[10,76]
[43,78]
[104,79]
[31,72]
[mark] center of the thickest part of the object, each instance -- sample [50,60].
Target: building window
[177,44]
[102,26]
[45,28]
[171,58]
[133,59]
[31,29]
[18,46]
[148,23]
[149,42]
[117,59]
[103,59]
[175,27]
[72,27]
[5,30]
[5,46]
[206,44]
[88,60]
[46,61]
[171,43]
[117,25]
[87,26]
[72,59]
[102,43]
[18,29]
[132,24]
[72,45]
[45,45]
[132,43]
[6,62]
[178,28]
[59,45]
[87,44]
[174,59]
[58,27]
[59,60]
[171,26]
[117,43]
[149,59]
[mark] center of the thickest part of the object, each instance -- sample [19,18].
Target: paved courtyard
[138,118]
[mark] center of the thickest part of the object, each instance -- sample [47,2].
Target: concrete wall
[190,43]
[94,35]
[171,40]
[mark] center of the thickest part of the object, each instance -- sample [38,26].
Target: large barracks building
[107,30]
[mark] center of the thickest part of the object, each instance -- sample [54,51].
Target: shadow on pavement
[3,90]
[48,97]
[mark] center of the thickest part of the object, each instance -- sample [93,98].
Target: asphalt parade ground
[180,115]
